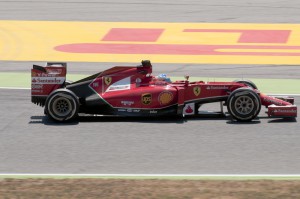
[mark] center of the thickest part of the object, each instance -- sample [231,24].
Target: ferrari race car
[133,91]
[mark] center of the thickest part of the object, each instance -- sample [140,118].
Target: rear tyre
[244,104]
[62,105]
[247,82]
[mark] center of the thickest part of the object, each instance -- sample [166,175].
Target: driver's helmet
[163,77]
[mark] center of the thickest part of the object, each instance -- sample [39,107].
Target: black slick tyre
[243,104]
[62,105]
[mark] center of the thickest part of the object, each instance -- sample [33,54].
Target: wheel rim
[62,106]
[244,105]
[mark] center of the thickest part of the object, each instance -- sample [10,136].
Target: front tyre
[62,105]
[246,82]
[244,104]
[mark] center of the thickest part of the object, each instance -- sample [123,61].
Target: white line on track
[296,95]
[15,88]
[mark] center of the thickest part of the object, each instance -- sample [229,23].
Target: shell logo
[165,98]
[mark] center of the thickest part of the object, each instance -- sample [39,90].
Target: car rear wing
[46,79]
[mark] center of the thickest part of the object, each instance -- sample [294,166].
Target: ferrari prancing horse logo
[107,80]
[197,90]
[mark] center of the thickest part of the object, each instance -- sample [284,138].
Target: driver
[163,77]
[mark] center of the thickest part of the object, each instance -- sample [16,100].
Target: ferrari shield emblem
[146,98]
[197,90]
[107,80]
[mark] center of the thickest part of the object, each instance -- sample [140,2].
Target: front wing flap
[282,111]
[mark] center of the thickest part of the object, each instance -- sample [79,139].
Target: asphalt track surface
[30,143]
[175,70]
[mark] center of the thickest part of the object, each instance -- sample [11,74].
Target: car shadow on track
[47,121]
[176,120]
[261,118]
[105,119]
[283,120]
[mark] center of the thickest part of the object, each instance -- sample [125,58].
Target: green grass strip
[276,86]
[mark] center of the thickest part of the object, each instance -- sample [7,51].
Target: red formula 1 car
[133,91]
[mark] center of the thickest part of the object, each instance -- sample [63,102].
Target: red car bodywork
[133,91]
